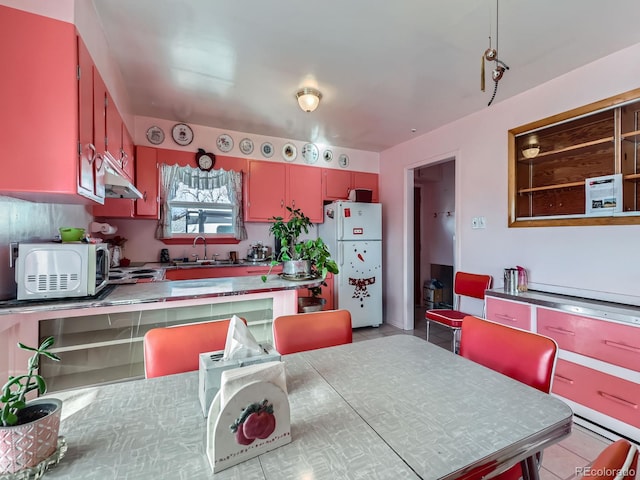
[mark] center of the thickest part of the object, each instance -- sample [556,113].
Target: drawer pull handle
[564,379]
[619,400]
[622,346]
[560,330]
[502,316]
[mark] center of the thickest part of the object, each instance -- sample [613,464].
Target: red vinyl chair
[309,331]
[525,356]
[170,350]
[619,461]
[464,285]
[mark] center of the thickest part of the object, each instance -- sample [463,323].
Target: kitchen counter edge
[578,305]
[166,291]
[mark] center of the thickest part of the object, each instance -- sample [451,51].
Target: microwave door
[102,268]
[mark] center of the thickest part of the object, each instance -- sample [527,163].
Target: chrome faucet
[204,241]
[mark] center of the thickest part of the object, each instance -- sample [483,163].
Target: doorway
[434,237]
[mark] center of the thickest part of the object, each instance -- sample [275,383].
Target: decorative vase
[27,444]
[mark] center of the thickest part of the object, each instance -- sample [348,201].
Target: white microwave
[60,270]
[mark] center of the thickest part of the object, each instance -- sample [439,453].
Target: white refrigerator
[353,233]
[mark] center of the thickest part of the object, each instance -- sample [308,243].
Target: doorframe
[408,241]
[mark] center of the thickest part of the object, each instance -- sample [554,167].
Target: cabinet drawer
[513,314]
[607,341]
[613,396]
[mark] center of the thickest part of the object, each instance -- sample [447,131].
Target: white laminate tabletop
[393,407]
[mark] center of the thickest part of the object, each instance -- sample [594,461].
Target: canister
[511,280]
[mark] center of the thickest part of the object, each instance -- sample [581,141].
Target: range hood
[116,185]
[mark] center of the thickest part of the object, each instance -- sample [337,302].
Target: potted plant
[28,430]
[301,259]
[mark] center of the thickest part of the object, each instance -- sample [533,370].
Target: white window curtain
[192,185]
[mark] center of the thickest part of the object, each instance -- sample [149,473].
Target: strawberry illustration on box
[253,418]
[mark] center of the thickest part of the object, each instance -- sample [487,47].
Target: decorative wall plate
[310,153]
[289,152]
[246,146]
[327,155]
[224,143]
[182,134]
[267,150]
[343,160]
[155,135]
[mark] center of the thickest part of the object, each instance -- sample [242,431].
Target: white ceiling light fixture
[308,98]
[531,151]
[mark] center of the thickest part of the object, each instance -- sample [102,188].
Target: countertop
[164,291]
[581,306]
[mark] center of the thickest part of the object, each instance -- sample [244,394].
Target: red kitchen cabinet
[273,186]
[338,183]
[148,182]
[607,341]
[506,312]
[265,191]
[40,107]
[119,144]
[613,396]
[197,273]
[90,167]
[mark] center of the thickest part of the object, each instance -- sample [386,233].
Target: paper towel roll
[104,228]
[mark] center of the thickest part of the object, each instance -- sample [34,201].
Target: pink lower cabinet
[610,395]
[507,312]
[610,342]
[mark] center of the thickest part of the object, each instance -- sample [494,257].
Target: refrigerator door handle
[341,253]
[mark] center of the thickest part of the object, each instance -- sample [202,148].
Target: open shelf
[573,148]
[551,187]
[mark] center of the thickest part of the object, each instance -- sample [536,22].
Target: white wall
[599,262]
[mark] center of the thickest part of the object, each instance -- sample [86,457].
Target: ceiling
[384,69]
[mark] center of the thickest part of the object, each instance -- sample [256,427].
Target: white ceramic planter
[24,446]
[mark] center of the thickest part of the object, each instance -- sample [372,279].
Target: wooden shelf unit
[596,140]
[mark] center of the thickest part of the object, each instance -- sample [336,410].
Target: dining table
[393,407]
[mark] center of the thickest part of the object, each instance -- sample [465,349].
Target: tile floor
[559,462]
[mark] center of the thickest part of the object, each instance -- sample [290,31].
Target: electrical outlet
[475,222]
[482,222]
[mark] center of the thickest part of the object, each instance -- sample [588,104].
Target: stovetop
[120,275]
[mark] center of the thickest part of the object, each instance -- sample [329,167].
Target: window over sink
[196,202]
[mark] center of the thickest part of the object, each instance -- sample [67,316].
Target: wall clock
[205,160]
[182,134]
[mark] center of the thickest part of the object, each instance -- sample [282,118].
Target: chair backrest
[619,461]
[524,356]
[308,331]
[471,284]
[169,350]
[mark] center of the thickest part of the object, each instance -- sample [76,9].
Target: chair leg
[428,330]
[455,346]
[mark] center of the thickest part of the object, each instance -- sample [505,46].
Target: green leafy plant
[315,250]
[15,390]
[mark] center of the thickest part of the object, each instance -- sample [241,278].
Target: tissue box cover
[212,366]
